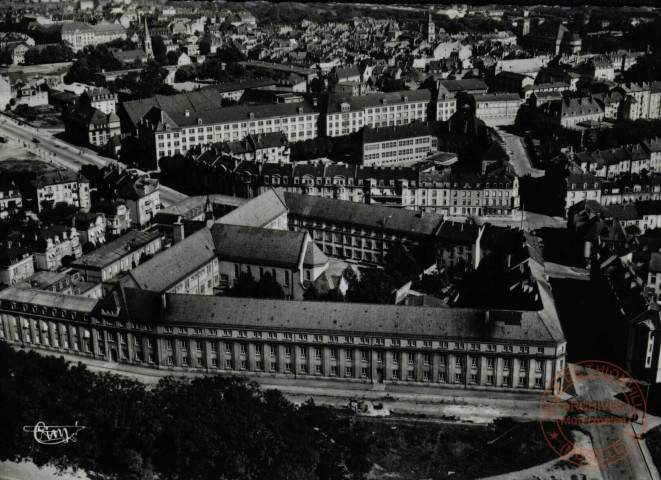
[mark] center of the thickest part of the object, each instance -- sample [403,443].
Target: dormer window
[251,116]
[345,107]
[199,121]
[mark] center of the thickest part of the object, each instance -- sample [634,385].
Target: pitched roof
[48,299]
[258,212]
[113,251]
[536,328]
[258,246]
[171,266]
[363,215]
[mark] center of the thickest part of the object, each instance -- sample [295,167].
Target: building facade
[348,114]
[395,146]
[303,340]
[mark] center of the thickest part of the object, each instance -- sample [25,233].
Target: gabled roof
[171,266]
[259,246]
[363,215]
[258,212]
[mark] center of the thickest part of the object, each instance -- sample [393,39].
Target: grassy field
[418,450]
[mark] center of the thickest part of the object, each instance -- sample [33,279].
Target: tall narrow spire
[147,40]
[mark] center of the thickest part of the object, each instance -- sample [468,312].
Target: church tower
[147,40]
[430,30]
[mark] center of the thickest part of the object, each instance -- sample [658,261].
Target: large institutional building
[461,348]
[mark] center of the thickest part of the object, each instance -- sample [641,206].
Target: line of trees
[213,427]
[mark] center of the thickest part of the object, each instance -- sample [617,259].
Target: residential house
[120,255]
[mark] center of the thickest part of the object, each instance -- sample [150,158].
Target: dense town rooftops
[115,250]
[127,184]
[464,85]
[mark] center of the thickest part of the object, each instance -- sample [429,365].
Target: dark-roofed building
[394,146]
[363,233]
[188,267]
[291,258]
[554,38]
[423,346]
[573,111]
[89,126]
[140,192]
[16,264]
[120,255]
[175,127]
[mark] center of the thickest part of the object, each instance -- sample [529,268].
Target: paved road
[35,69]
[519,156]
[62,153]
[633,466]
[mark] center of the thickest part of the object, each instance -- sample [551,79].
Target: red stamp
[599,399]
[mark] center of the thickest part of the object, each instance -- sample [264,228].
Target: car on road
[36,140]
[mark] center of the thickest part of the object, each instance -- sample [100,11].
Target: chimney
[164,301]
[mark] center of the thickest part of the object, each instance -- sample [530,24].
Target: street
[633,466]
[52,148]
[518,155]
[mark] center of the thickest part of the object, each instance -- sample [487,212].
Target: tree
[375,286]
[56,214]
[185,73]
[152,81]
[400,264]
[205,46]
[268,287]
[159,49]
[431,284]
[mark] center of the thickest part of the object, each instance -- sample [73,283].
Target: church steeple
[147,40]
[430,30]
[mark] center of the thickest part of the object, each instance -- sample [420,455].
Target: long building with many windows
[418,187]
[346,114]
[174,125]
[394,146]
[360,343]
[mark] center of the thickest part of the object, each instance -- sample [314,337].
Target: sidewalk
[476,406]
